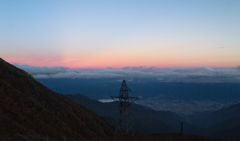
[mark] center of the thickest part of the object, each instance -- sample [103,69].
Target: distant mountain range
[28,109]
[144,119]
[146,88]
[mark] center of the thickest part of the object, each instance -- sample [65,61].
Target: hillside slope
[219,116]
[144,119]
[223,124]
[27,108]
[227,129]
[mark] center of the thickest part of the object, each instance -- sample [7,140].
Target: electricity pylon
[123,102]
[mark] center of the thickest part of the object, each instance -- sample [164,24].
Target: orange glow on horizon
[185,57]
[118,64]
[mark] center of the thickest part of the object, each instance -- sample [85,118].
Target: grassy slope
[28,107]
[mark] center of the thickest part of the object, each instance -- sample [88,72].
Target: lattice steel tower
[123,102]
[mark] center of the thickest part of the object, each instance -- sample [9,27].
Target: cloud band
[198,75]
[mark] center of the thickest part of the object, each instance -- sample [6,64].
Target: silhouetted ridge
[220,115]
[224,123]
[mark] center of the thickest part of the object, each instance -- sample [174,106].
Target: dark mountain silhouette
[227,129]
[144,119]
[224,123]
[219,116]
[29,109]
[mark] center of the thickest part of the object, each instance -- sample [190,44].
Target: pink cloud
[222,47]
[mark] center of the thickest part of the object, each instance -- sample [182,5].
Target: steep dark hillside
[27,108]
[144,119]
[94,105]
[219,116]
[146,125]
[223,124]
[227,129]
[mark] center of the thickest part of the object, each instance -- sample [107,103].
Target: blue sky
[101,34]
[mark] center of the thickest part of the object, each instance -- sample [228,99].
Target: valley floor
[185,108]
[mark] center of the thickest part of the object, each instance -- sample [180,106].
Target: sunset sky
[94,34]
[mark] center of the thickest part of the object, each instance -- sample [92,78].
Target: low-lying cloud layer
[203,74]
